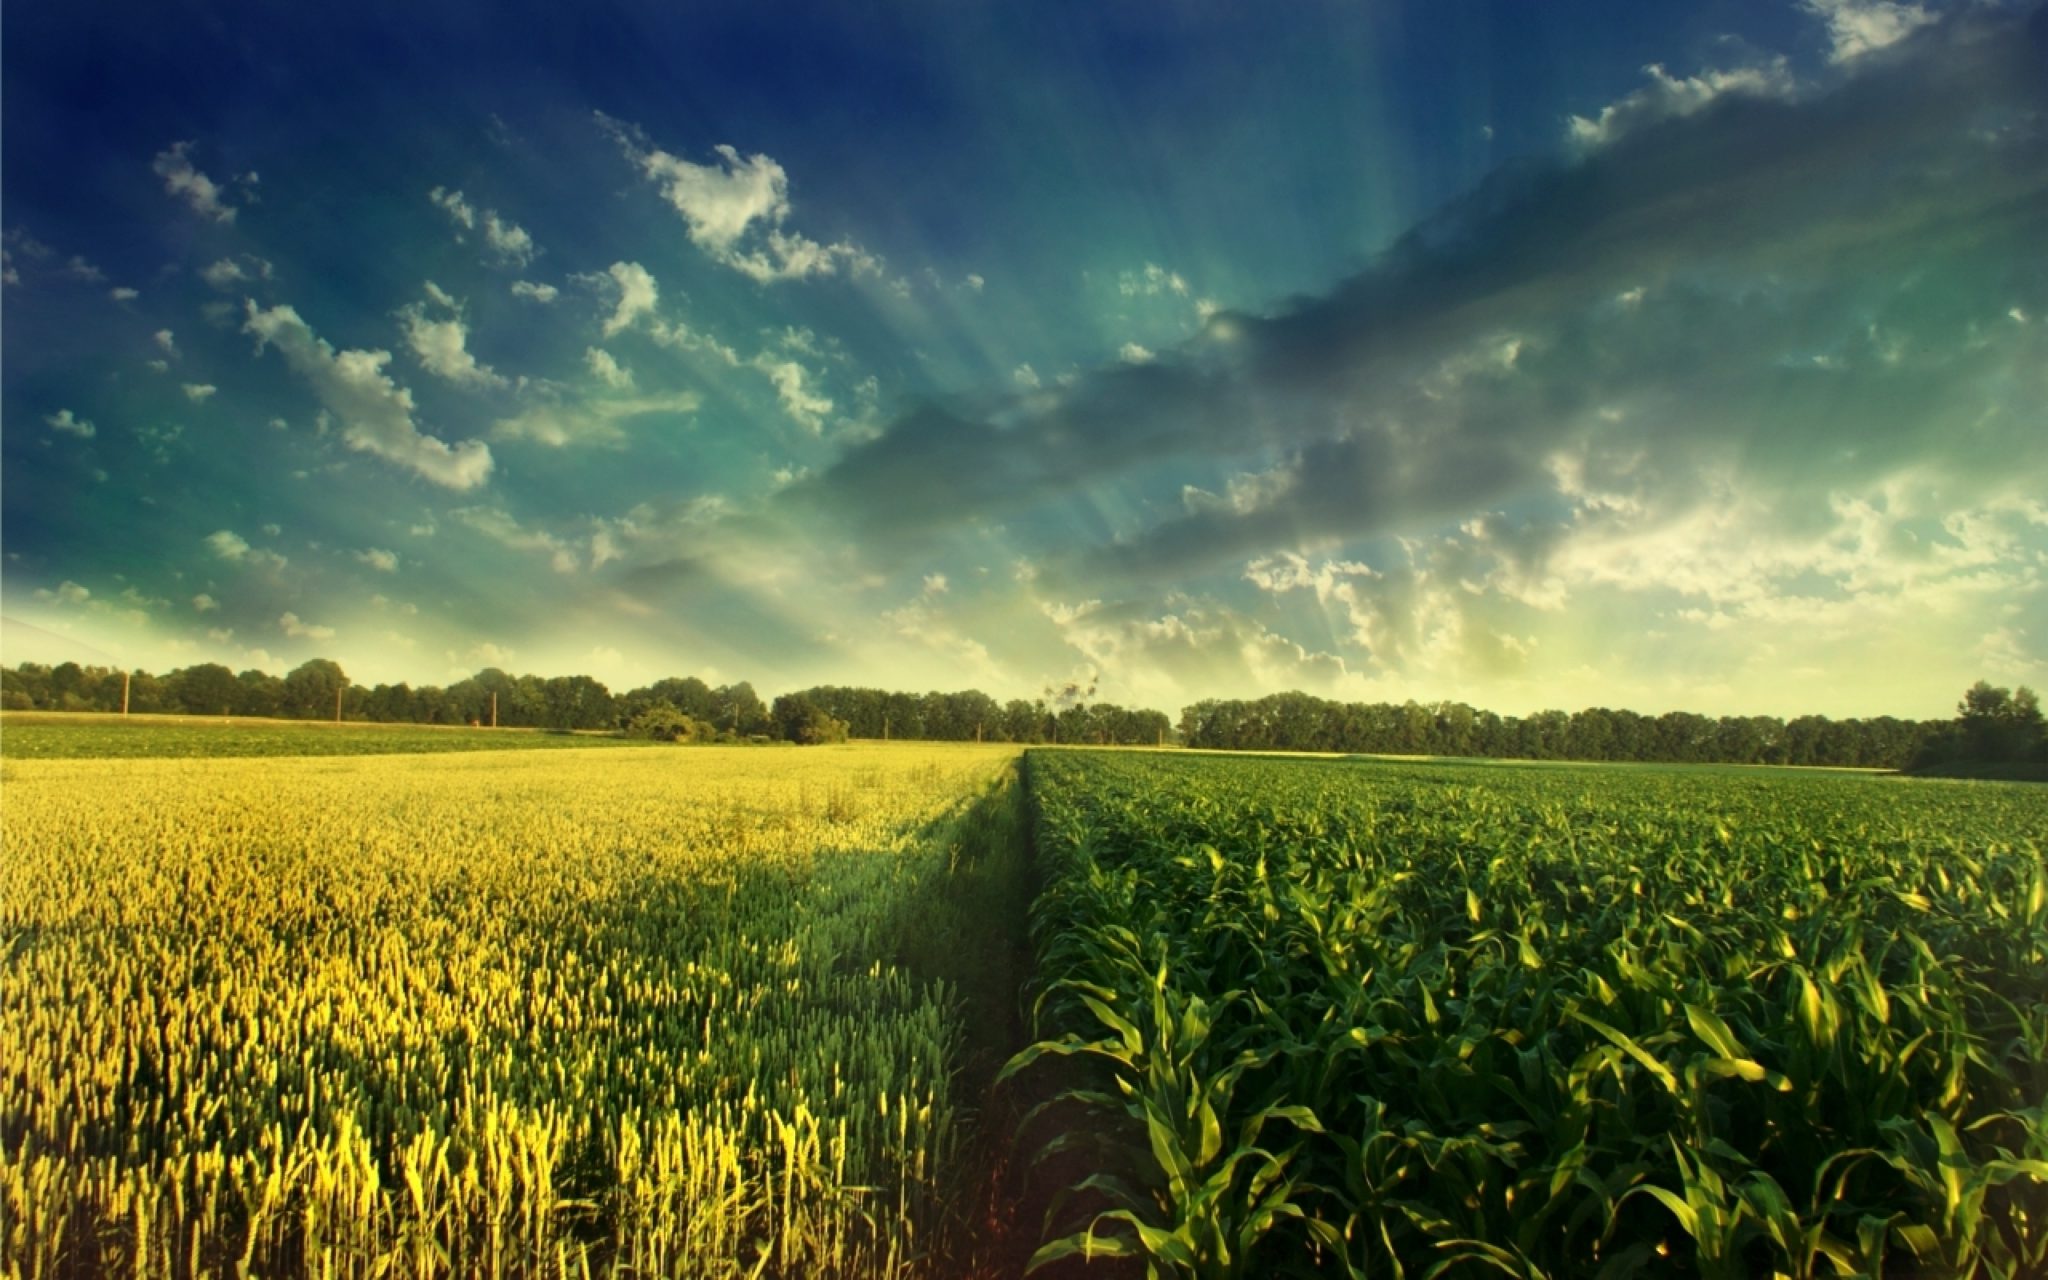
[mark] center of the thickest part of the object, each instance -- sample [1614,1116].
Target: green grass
[27,735]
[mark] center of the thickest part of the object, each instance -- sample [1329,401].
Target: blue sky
[1620,354]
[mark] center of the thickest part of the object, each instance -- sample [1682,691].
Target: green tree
[575,702]
[208,689]
[258,693]
[310,689]
[1997,724]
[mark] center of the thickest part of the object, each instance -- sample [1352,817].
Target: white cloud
[498,525]
[379,559]
[535,292]
[203,603]
[232,547]
[734,209]
[508,239]
[804,406]
[1856,27]
[67,592]
[607,370]
[508,242]
[226,273]
[676,334]
[935,584]
[1668,96]
[375,412]
[1132,353]
[590,421]
[167,342]
[297,629]
[1151,282]
[199,392]
[487,653]
[442,345]
[1025,376]
[637,296]
[197,190]
[122,293]
[63,421]
[975,282]
[720,201]
[455,206]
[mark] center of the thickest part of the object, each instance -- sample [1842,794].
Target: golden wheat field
[511,1013]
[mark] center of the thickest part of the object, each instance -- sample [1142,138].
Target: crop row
[1353,1019]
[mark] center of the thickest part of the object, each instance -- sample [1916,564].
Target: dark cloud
[1801,287]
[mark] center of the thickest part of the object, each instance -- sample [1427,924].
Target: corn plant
[1361,1019]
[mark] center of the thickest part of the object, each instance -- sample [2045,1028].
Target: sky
[1597,353]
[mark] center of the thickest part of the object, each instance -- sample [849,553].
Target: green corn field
[1361,1020]
[505,1014]
[699,1012]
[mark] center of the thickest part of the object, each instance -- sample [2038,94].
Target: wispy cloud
[181,179]
[376,413]
[508,243]
[594,420]
[292,625]
[499,526]
[1668,96]
[235,549]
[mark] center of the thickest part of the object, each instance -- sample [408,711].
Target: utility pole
[337,700]
[885,727]
[494,709]
[124,693]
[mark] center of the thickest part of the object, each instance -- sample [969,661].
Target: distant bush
[806,723]
[664,723]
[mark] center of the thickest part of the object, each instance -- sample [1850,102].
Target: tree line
[678,708]
[1993,726]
